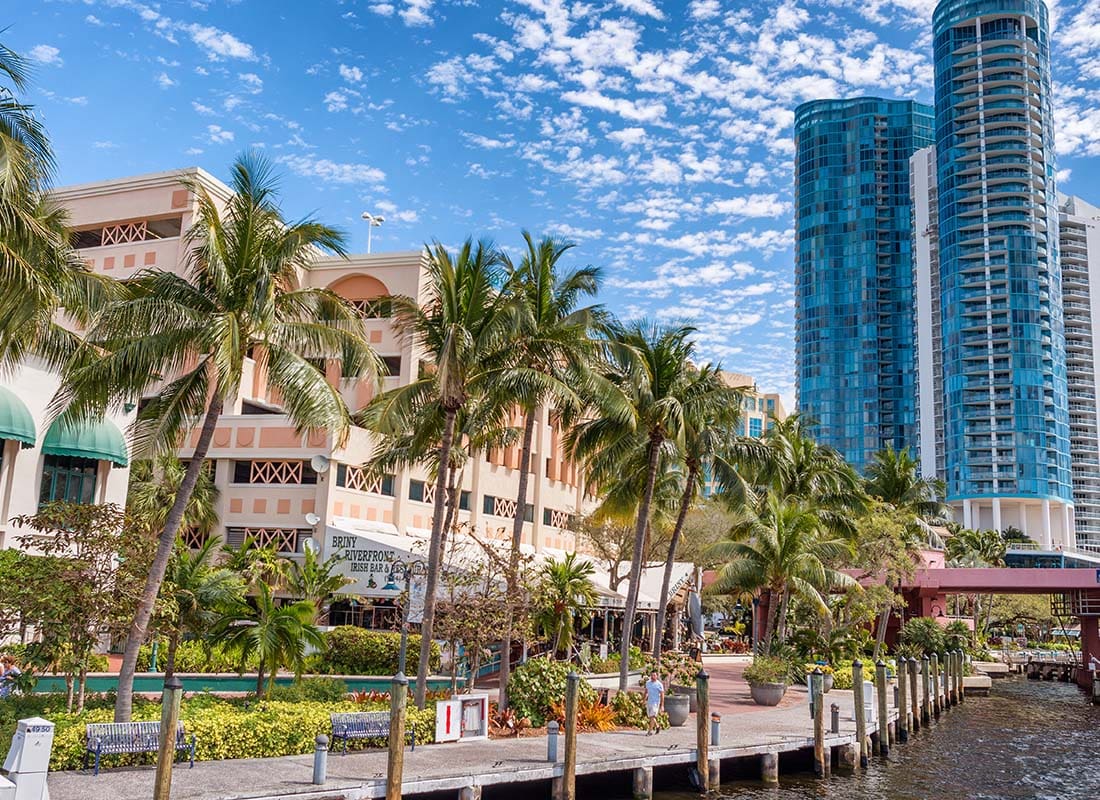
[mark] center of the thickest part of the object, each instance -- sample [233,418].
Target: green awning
[102,441]
[16,421]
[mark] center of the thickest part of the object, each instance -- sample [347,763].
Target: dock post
[925,700]
[817,686]
[960,668]
[903,703]
[1096,688]
[469,793]
[395,764]
[320,759]
[569,774]
[883,709]
[914,698]
[552,729]
[643,783]
[934,664]
[834,718]
[715,728]
[169,721]
[860,713]
[769,767]
[848,755]
[702,730]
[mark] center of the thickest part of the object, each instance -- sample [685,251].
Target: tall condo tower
[1079,246]
[854,280]
[1006,417]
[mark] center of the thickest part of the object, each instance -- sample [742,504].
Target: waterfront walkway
[747,730]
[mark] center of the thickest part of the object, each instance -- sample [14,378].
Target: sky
[656,135]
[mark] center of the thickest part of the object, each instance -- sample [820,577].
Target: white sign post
[418,588]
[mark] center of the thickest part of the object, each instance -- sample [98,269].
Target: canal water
[1028,739]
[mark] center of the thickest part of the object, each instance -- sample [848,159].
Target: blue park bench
[365,725]
[110,738]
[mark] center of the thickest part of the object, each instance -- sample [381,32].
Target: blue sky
[655,134]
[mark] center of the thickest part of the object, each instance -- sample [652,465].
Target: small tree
[315,580]
[92,576]
[565,596]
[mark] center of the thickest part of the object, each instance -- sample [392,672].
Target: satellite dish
[320,464]
[312,519]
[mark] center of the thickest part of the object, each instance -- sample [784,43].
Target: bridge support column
[643,783]
[1090,648]
[769,767]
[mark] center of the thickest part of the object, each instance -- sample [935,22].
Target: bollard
[914,697]
[702,730]
[320,759]
[169,721]
[934,679]
[834,718]
[395,763]
[896,696]
[569,774]
[883,709]
[817,691]
[552,741]
[861,714]
[715,728]
[925,700]
[902,703]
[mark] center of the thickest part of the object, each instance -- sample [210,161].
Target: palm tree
[553,351]
[893,477]
[276,636]
[565,595]
[462,327]
[187,338]
[650,366]
[154,484]
[973,548]
[783,548]
[41,274]
[315,580]
[711,409]
[198,590]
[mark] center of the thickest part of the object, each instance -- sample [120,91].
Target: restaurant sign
[369,564]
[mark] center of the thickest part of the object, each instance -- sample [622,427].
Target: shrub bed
[192,656]
[350,650]
[536,686]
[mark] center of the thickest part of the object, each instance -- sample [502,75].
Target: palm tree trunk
[666,581]
[513,558]
[769,623]
[638,559]
[452,506]
[260,680]
[434,557]
[880,634]
[140,627]
[170,660]
[781,618]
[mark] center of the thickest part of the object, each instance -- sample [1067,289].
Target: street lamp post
[373,221]
[405,570]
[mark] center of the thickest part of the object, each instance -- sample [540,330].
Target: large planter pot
[689,692]
[677,706]
[767,694]
[827,684]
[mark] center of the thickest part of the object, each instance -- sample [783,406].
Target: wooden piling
[395,764]
[934,664]
[643,783]
[817,691]
[914,698]
[169,721]
[903,703]
[925,699]
[702,729]
[883,709]
[769,767]
[860,713]
[569,773]
[961,672]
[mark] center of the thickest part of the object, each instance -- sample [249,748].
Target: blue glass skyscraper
[1006,418]
[856,374]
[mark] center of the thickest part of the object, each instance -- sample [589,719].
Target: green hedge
[224,728]
[539,683]
[350,650]
[193,656]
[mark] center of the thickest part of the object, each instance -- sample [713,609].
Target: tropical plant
[893,477]
[189,339]
[154,484]
[650,366]
[461,325]
[785,549]
[276,636]
[767,669]
[197,590]
[552,355]
[564,597]
[537,684]
[256,564]
[315,580]
[923,634]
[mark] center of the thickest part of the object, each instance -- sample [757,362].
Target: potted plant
[826,670]
[677,706]
[767,679]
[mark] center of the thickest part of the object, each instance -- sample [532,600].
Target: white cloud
[106,144]
[164,82]
[92,19]
[335,101]
[332,171]
[219,44]
[351,74]
[218,135]
[635,110]
[46,54]
[753,205]
[395,214]
[628,137]
[201,109]
[645,8]
[704,9]
[252,82]
[382,9]
[415,12]
[486,142]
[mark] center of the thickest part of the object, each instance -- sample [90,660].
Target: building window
[506,507]
[127,232]
[557,519]
[360,480]
[756,426]
[281,540]
[68,478]
[375,308]
[392,365]
[273,472]
[423,492]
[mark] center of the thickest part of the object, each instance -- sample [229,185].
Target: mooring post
[715,728]
[903,703]
[169,721]
[643,783]
[320,759]
[934,664]
[860,713]
[469,793]
[769,767]
[914,698]
[817,690]
[961,672]
[925,700]
[395,765]
[552,741]
[702,729]
[834,718]
[569,774]
[883,709]
[1096,688]
[945,682]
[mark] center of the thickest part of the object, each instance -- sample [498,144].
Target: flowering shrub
[629,708]
[536,685]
